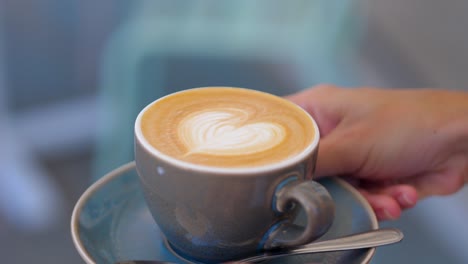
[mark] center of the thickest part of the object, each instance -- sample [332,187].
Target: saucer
[111,223]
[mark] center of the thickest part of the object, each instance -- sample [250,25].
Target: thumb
[339,153]
[328,105]
[324,103]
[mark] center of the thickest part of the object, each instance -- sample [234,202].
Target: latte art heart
[228,132]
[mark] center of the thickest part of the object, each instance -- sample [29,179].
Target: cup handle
[318,207]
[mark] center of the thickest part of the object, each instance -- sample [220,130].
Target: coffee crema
[227,127]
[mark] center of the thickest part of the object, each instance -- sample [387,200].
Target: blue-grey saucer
[111,223]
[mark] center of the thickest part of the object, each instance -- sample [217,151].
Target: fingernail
[384,214]
[403,199]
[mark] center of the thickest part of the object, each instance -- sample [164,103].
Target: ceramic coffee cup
[219,211]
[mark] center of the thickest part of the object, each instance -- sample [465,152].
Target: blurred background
[74,74]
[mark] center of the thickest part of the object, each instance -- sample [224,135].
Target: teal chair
[166,46]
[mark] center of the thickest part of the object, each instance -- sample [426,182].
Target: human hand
[395,146]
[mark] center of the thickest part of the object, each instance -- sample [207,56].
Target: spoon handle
[367,239]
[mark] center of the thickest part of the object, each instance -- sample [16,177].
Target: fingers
[388,202]
[385,206]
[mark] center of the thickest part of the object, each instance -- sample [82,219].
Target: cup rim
[224,170]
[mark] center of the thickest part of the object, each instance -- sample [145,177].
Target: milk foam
[227,127]
[228,131]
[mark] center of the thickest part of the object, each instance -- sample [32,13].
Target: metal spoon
[374,238]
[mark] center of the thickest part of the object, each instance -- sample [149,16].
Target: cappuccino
[227,127]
